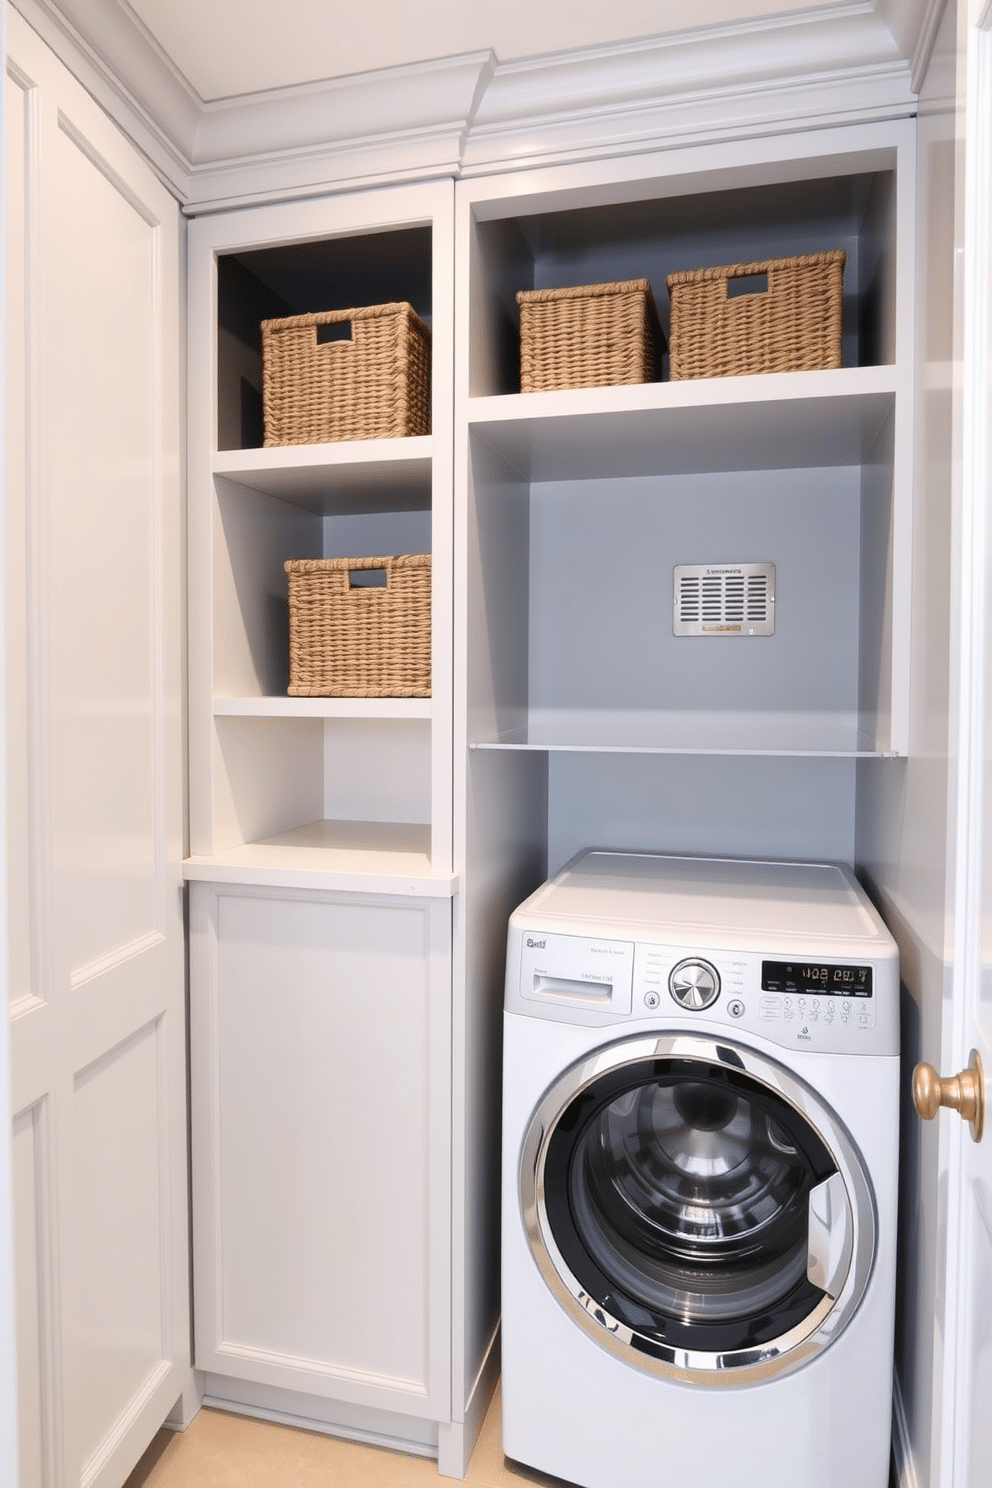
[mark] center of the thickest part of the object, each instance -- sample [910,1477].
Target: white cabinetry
[321,860]
[291,790]
[320,1061]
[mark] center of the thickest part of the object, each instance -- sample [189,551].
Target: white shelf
[348,474]
[783,421]
[605,731]
[321,707]
[357,857]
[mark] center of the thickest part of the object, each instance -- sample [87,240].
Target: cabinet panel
[122,1201]
[321,1036]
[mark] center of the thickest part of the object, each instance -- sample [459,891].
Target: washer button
[735,1008]
[652,1000]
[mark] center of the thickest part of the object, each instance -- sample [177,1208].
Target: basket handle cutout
[740,285]
[368,578]
[333,330]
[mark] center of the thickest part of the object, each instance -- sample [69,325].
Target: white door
[94,801]
[962,1455]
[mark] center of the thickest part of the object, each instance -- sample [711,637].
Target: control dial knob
[694,984]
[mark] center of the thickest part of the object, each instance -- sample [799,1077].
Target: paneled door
[94,740]
[961,1443]
[966,1440]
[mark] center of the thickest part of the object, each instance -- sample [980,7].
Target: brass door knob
[964,1093]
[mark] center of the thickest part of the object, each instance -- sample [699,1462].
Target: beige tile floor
[220,1450]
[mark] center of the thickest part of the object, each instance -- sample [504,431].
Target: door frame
[970,869]
[8,1378]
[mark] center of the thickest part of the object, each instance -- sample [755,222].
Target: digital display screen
[816,979]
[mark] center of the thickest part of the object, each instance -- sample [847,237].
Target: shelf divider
[782,421]
[321,707]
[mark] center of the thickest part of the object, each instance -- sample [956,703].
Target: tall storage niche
[306,784]
[698,743]
[321,860]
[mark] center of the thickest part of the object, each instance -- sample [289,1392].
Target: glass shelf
[604,731]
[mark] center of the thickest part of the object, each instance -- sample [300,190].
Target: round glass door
[691,1208]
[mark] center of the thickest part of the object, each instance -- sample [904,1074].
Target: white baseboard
[359,1423]
[456,1441]
[188,1404]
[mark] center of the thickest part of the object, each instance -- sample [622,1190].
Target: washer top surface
[752,898]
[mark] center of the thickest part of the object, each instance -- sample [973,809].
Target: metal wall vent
[727,599]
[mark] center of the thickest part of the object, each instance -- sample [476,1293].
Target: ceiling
[229,47]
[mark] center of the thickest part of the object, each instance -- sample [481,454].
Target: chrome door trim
[776,1357]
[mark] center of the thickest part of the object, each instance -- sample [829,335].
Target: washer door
[697,1209]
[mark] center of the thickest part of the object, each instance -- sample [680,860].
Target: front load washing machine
[699,1176]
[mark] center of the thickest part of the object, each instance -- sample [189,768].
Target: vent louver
[724,599]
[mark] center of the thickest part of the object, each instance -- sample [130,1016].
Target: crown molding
[395,124]
[814,68]
[103,43]
[749,52]
[925,40]
[734,113]
[471,113]
[914,25]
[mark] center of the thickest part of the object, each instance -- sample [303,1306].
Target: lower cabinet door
[321,1079]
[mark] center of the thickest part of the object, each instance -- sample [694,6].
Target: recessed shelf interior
[747,806]
[282,762]
[337,273]
[539,247]
[255,533]
[583,654]
[276,775]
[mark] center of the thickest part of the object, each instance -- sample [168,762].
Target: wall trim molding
[105,46]
[926,37]
[472,113]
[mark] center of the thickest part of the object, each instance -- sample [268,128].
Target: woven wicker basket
[590,335]
[350,640]
[794,325]
[375,385]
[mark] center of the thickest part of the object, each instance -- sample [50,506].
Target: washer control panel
[813,1003]
[824,1004]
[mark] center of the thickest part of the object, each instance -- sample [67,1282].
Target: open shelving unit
[288,791]
[580,504]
